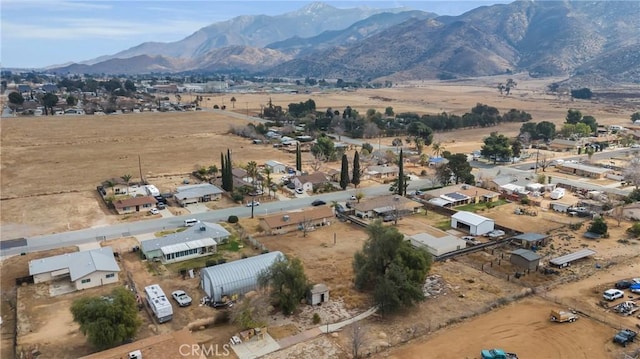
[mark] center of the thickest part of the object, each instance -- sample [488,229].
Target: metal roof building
[525,258]
[475,224]
[566,259]
[195,241]
[237,277]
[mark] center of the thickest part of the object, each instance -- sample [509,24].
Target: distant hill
[589,41]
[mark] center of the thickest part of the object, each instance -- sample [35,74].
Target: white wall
[97,279]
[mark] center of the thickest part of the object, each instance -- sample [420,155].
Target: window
[110,275]
[85,280]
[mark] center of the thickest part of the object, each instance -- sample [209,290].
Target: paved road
[607,154]
[97,234]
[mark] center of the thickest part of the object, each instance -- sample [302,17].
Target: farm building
[531,240]
[384,205]
[437,242]
[525,259]
[86,269]
[197,241]
[275,166]
[475,224]
[134,204]
[565,260]
[237,277]
[292,221]
[318,294]
[195,193]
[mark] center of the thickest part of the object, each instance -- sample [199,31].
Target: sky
[41,33]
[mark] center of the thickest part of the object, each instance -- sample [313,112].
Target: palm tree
[233,102]
[252,171]
[437,148]
[126,178]
[267,174]
[111,184]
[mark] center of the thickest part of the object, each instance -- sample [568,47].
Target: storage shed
[525,259]
[475,224]
[437,244]
[532,240]
[237,277]
[318,294]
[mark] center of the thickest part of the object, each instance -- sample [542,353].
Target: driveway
[197,208]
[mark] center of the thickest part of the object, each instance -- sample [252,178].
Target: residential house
[385,205]
[461,194]
[382,172]
[307,182]
[473,223]
[196,241]
[583,170]
[85,269]
[134,204]
[275,166]
[292,221]
[437,161]
[203,192]
[116,186]
[563,145]
[50,88]
[497,184]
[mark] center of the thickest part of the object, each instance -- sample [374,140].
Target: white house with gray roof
[275,166]
[86,269]
[190,194]
[197,241]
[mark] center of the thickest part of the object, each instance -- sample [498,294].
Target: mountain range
[589,41]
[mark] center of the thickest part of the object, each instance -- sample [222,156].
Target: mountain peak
[314,8]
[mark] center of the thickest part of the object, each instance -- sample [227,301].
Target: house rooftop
[315,178]
[201,235]
[134,202]
[585,168]
[197,190]
[386,203]
[471,218]
[79,264]
[295,218]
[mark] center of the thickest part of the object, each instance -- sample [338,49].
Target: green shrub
[316,318]
[232,219]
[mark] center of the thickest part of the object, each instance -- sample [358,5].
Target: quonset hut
[237,277]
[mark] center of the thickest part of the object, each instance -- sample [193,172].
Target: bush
[583,93]
[635,229]
[525,201]
[316,318]
[598,226]
[232,219]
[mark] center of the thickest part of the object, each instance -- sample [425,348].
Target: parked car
[299,191]
[182,298]
[352,198]
[471,241]
[388,218]
[318,202]
[496,233]
[339,208]
[612,294]
[222,305]
[635,288]
[253,204]
[636,280]
[154,211]
[624,337]
[624,284]
[161,205]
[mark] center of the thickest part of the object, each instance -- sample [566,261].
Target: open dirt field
[62,159]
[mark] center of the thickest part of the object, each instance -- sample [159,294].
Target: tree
[324,146]
[233,102]
[402,186]
[635,116]
[496,146]
[420,130]
[267,178]
[397,142]
[419,145]
[344,173]
[591,122]
[444,174]
[49,100]
[437,148]
[598,225]
[367,147]
[460,168]
[359,196]
[16,98]
[251,312]
[252,171]
[358,339]
[390,268]
[546,130]
[111,184]
[583,93]
[631,173]
[516,148]
[355,176]
[388,111]
[573,116]
[298,158]
[634,230]
[287,282]
[71,100]
[107,321]
[127,178]
[129,86]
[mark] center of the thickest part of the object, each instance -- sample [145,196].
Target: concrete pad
[145,236]
[255,348]
[61,287]
[165,213]
[197,208]
[88,246]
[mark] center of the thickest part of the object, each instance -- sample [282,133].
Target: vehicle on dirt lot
[612,294]
[624,284]
[182,298]
[635,288]
[497,354]
[561,316]
[624,337]
[471,241]
[496,233]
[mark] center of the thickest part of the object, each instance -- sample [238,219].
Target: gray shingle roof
[531,237]
[211,230]
[79,264]
[526,254]
[197,191]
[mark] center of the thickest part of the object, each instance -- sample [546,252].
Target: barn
[437,242]
[525,259]
[237,277]
[475,224]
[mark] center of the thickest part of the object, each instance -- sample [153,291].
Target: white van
[190,222]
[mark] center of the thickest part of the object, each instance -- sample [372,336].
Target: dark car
[624,284]
[388,218]
[161,205]
[624,337]
[318,202]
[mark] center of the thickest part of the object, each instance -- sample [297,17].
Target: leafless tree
[358,339]
[317,162]
[251,311]
[339,130]
[371,130]
[306,226]
[632,172]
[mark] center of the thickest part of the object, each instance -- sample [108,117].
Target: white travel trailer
[159,303]
[557,193]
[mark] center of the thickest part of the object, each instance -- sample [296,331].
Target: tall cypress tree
[298,158]
[355,177]
[223,172]
[344,172]
[401,189]
[229,171]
